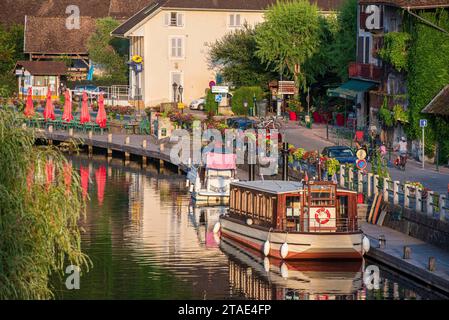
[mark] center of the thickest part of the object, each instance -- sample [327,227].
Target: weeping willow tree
[40,205]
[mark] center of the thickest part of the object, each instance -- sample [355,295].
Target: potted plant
[293,107]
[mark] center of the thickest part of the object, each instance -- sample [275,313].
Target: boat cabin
[291,206]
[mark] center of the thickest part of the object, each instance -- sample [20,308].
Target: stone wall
[419,226]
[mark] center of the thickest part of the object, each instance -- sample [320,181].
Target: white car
[198,104]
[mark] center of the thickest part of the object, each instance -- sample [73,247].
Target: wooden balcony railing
[365,71]
[377,99]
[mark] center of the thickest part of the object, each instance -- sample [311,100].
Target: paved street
[315,139]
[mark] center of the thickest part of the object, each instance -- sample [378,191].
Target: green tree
[345,44]
[234,56]
[39,233]
[289,36]
[107,51]
[318,68]
[11,50]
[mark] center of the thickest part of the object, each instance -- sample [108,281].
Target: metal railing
[337,225]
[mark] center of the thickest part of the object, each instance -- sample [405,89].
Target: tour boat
[290,220]
[323,280]
[220,170]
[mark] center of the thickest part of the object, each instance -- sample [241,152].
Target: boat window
[293,213]
[343,206]
[322,195]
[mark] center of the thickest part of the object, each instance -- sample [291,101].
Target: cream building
[173,37]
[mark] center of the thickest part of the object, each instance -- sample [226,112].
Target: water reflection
[147,242]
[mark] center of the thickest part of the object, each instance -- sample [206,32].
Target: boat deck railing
[339,225]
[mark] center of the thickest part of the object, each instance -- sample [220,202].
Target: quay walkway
[416,266]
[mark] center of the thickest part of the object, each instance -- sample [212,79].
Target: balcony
[377,99]
[365,71]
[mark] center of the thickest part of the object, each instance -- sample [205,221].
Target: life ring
[319,213]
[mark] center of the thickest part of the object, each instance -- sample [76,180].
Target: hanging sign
[287,87]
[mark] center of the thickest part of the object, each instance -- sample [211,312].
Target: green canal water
[147,242]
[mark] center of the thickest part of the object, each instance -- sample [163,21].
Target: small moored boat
[219,172]
[292,220]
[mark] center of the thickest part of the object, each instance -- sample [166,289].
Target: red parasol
[29,109]
[85,115]
[101,115]
[67,116]
[100,175]
[49,111]
[84,172]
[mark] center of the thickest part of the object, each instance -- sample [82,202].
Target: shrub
[245,94]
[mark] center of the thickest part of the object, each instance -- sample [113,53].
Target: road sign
[181,105]
[218,98]
[361,154]
[361,164]
[212,84]
[220,89]
[423,123]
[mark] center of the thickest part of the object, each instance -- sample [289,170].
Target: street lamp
[181,90]
[175,91]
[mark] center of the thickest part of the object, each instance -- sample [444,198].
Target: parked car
[241,123]
[341,153]
[91,90]
[198,104]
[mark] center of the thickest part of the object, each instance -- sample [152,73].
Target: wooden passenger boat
[292,220]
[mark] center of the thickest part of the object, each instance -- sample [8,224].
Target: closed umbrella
[67,116]
[100,176]
[29,108]
[85,115]
[101,115]
[49,111]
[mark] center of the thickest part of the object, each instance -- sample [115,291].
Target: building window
[41,81]
[174,19]
[235,20]
[177,47]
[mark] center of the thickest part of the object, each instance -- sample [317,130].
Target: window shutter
[180,20]
[237,20]
[231,20]
[173,47]
[167,19]
[180,47]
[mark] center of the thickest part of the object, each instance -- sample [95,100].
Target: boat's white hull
[300,245]
[210,198]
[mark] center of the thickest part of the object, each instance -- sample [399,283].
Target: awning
[219,161]
[350,89]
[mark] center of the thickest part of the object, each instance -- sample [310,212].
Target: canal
[146,242]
